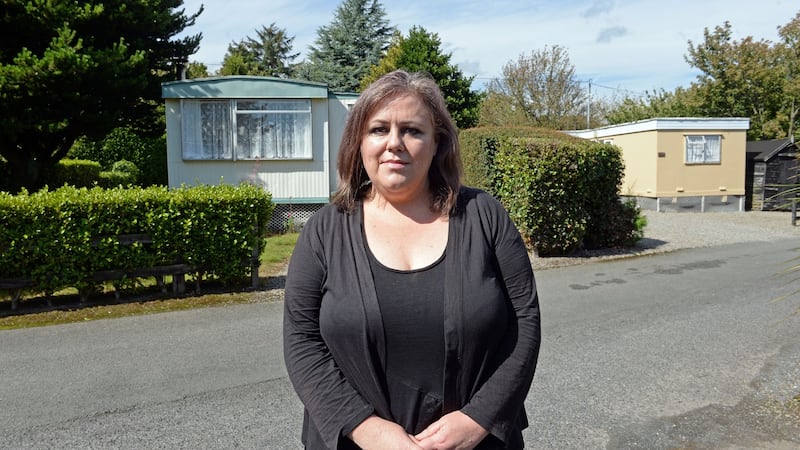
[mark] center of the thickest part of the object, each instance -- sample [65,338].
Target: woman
[411,313]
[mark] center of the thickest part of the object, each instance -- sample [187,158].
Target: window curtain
[273,130]
[206,129]
[703,149]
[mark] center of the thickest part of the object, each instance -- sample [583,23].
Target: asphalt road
[679,350]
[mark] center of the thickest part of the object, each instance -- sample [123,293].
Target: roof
[666,124]
[766,150]
[243,87]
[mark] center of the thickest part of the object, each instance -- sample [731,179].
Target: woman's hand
[454,431]
[380,434]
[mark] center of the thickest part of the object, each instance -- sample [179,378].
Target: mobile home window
[246,129]
[703,149]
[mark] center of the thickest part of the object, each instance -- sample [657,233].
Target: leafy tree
[790,60]
[539,89]
[196,69]
[739,79]
[345,50]
[421,52]
[679,103]
[81,68]
[269,54]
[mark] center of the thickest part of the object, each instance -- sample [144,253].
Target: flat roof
[243,87]
[665,124]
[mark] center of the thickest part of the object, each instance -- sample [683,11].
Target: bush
[83,148]
[114,178]
[59,238]
[153,162]
[148,154]
[74,172]
[560,191]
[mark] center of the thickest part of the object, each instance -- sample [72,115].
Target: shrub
[114,178]
[561,191]
[124,143]
[153,162]
[74,172]
[83,148]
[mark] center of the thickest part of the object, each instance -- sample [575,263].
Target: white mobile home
[279,133]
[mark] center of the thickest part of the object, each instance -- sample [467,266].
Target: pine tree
[353,42]
[421,52]
[82,68]
[269,54]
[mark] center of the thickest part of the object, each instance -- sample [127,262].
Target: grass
[146,299]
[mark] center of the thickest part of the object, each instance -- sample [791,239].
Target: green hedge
[562,192]
[59,238]
[74,172]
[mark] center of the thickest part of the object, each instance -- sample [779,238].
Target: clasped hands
[454,431]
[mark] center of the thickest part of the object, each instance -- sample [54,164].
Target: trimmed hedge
[74,172]
[59,238]
[562,192]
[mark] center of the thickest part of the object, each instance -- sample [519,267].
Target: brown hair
[444,175]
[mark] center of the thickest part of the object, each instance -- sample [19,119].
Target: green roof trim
[243,87]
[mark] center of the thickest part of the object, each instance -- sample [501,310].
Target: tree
[539,90]
[790,60]
[81,68]
[679,103]
[739,79]
[421,52]
[269,54]
[196,69]
[345,50]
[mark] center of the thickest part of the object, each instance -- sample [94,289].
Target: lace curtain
[257,129]
[703,149]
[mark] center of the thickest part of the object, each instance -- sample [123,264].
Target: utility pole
[589,108]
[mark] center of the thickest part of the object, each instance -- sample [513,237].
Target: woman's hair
[444,175]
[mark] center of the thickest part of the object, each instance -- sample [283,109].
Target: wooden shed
[771,169]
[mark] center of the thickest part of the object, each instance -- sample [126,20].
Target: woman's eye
[377,130]
[412,131]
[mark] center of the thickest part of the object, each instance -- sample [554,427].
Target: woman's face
[397,148]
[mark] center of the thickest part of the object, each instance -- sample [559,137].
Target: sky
[617,47]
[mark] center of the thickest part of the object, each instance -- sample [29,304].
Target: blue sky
[621,46]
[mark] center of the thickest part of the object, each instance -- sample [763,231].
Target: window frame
[692,159]
[191,134]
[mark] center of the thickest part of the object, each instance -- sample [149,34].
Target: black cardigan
[333,335]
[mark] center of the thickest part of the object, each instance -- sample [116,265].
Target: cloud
[608,34]
[599,7]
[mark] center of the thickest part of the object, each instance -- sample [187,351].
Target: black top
[412,309]
[335,344]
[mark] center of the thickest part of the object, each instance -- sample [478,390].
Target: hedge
[561,191]
[59,238]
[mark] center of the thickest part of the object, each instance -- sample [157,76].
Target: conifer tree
[421,52]
[268,54]
[346,48]
[82,68]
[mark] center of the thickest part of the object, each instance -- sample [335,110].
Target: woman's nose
[394,139]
